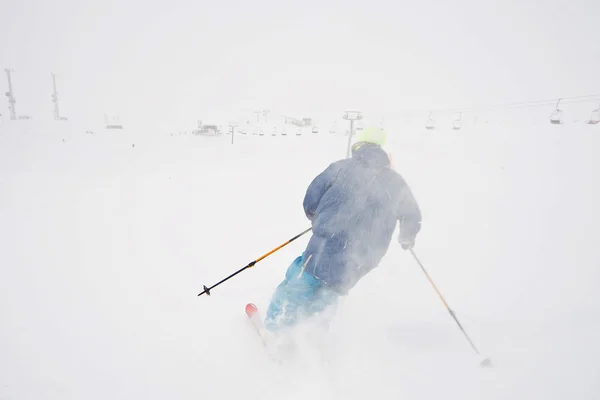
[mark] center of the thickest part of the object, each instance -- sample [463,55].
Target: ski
[277,349]
[256,320]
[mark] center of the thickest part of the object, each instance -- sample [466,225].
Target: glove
[406,243]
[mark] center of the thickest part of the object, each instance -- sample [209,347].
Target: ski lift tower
[57,116]
[351,116]
[265,113]
[232,126]
[10,95]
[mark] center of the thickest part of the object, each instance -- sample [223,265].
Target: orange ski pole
[251,264]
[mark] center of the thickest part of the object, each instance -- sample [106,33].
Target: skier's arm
[317,189]
[409,215]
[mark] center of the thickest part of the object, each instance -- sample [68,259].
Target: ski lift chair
[555,117]
[114,124]
[457,123]
[595,117]
[359,126]
[430,124]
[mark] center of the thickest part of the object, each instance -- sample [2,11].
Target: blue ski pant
[300,295]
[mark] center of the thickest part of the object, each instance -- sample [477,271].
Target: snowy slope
[104,246]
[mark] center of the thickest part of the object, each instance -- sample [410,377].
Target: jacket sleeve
[409,215]
[317,189]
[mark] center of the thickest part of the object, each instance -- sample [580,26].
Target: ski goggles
[358,145]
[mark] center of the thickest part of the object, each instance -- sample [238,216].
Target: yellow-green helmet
[372,135]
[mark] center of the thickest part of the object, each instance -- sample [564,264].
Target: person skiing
[354,206]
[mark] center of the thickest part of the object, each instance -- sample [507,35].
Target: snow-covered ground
[107,238]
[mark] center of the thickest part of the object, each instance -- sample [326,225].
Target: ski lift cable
[520,104]
[498,106]
[526,104]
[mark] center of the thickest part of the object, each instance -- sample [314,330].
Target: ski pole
[486,361]
[251,264]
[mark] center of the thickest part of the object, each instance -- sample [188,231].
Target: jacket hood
[371,155]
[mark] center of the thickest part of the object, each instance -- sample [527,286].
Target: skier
[354,206]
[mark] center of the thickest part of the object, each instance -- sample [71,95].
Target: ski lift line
[549,103]
[498,107]
[582,97]
[521,104]
[541,103]
[578,101]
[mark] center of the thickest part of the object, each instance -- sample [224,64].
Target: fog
[106,238]
[173,61]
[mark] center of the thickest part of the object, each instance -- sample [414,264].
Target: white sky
[180,59]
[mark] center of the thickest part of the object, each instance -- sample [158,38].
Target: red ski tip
[251,309]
